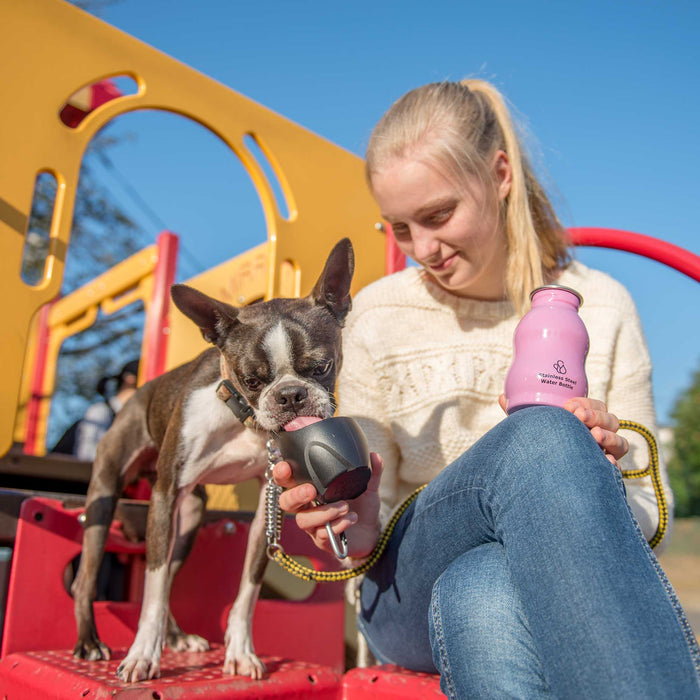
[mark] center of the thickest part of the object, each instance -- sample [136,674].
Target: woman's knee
[548,429]
[478,628]
[549,441]
[476,590]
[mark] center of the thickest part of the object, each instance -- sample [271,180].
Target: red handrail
[395,259]
[672,255]
[667,253]
[157,324]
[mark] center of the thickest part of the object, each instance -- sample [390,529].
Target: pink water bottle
[550,346]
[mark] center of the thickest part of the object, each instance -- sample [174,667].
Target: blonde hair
[462,125]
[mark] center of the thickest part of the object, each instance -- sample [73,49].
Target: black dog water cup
[333,455]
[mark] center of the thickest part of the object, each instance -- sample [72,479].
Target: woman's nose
[425,245]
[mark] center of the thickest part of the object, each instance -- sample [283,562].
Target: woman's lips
[444,264]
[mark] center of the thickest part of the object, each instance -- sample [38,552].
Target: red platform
[389,682]
[35,675]
[39,614]
[301,642]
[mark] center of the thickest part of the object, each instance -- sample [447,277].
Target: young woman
[520,570]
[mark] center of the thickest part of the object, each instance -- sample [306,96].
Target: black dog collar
[236,402]
[233,398]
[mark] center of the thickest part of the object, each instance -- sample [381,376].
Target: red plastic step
[388,682]
[56,674]
[39,613]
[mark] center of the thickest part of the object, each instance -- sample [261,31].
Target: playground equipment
[320,183]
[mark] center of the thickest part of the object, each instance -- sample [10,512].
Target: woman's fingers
[296,497]
[593,413]
[613,443]
[503,403]
[312,518]
[318,516]
[377,465]
[603,426]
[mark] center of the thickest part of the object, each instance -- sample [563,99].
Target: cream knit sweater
[423,369]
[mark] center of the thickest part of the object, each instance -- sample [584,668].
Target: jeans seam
[690,640]
[687,630]
[425,506]
[446,670]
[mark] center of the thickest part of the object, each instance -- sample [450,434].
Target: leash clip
[340,549]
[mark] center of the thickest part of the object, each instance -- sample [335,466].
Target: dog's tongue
[300,422]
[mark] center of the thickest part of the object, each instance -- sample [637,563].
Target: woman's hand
[602,424]
[358,518]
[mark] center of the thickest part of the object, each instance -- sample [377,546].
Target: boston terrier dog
[207,422]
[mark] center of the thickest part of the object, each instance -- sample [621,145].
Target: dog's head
[283,354]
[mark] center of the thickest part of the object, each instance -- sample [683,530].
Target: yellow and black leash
[654,472]
[303,572]
[276,553]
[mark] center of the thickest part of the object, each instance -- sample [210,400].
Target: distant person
[82,437]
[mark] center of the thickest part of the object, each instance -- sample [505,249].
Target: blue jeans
[520,572]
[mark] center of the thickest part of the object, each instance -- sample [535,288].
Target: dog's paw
[241,659]
[186,642]
[136,669]
[244,665]
[91,650]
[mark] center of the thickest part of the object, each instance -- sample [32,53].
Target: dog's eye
[323,369]
[252,383]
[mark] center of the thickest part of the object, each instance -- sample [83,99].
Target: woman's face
[453,230]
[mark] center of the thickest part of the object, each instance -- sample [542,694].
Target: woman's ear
[503,173]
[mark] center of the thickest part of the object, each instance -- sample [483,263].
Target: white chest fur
[217,447]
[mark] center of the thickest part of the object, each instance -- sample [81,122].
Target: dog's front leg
[105,486]
[240,655]
[98,515]
[189,517]
[143,660]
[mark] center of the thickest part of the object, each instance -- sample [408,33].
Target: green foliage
[684,466]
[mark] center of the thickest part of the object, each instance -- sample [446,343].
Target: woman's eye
[400,230]
[439,217]
[323,369]
[252,383]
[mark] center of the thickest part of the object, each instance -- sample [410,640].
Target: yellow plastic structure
[49,51]
[128,282]
[238,281]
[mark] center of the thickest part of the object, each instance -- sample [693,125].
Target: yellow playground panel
[322,184]
[238,281]
[130,281]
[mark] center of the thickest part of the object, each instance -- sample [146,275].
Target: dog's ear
[213,317]
[332,289]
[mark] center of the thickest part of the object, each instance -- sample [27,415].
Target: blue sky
[608,89]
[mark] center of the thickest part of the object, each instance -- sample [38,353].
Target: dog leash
[234,399]
[274,514]
[654,472]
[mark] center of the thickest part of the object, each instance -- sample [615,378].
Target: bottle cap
[560,287]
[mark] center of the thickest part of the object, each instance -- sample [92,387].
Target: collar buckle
[236,402]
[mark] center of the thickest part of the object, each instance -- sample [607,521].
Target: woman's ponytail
[536,244]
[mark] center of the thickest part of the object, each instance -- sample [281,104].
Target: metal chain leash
[273,512]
